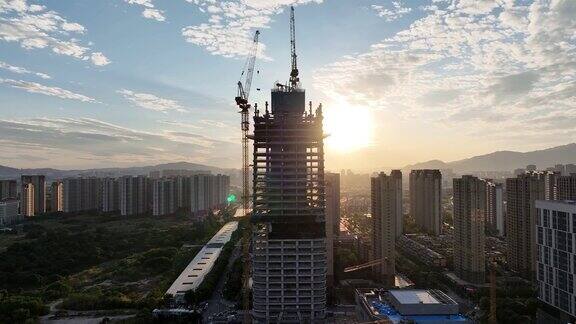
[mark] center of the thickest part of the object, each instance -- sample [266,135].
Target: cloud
[34,87]
[396,11]
[36,27]
[99,59]
[231,24]
[152,102]
[92,142]
[471,66]
[21,70]
[149,11]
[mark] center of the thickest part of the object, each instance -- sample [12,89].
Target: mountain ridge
[505,160]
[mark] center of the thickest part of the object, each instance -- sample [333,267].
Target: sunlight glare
[349,127]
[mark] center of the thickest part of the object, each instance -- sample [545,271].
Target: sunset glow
[349,127]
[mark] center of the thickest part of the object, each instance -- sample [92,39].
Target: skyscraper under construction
[289,246]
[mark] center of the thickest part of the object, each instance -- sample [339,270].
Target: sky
[87,84]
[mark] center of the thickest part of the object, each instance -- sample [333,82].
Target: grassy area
[95,261]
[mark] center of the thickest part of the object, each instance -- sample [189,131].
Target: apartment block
[110,195]
[39,184]
[521,194]
[164,197]
[556,255]
[386,210]
[57,197]
[469,215]
[426,200]
[134,195]
[8,189]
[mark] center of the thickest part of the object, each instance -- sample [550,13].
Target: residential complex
[469,215]
[495,207]
[57,196]
[426,200]
[27,202]
[163,196]
[38,203]
[8,189]
[9,212]
[386,211]
[82,194]
[110,195]
[521,194]
[556,256]
[566,187]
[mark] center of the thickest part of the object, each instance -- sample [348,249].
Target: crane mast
[242,102]
[294,80]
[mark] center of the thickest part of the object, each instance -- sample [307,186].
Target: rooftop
[412,305]
[414,297]
[203,262]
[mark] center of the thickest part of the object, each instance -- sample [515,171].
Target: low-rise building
[407,306]
[202,263]
[421,252]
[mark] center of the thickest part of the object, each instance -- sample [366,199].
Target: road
[217,303]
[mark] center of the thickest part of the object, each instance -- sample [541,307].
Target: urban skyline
[187,229]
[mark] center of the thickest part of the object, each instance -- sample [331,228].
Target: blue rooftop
[387,310]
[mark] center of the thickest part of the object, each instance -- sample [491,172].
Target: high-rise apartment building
[289,249]
[82,194]
[27,202]
[386,209]
[469,215]
[521,194]
[8,189]
[39,183]
[9,212]
[566,187]
[110,195]
[426,200]
[134,197]
[494,206]
[332,188]
[570,168]
[556,256]
[164,196]
[207,192]
[57,197]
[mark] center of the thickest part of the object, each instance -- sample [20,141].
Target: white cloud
[35,27]
[471,66]
[21,70]
[83,142]
[152,102]
[231,24]
[99,59]
[34,87]
[149,11]
[396,11]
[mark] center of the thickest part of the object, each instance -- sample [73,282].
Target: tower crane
[294,79]
[244,105]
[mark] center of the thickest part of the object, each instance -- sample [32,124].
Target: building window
[562,221]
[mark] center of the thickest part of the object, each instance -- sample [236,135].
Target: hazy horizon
[111,83]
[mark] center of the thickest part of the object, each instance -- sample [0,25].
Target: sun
[348,127]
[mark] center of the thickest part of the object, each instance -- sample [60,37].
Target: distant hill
[8,172]
[505,160]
